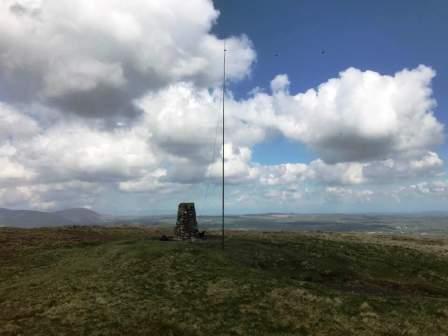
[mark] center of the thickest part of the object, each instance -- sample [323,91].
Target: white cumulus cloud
[95,57]
[362,115]
[106,97]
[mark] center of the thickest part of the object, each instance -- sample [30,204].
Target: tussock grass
[124,281]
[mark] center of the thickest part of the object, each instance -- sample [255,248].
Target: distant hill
[33,219]
[80,216]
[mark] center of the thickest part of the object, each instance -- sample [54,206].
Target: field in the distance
[124,281]
[417,223]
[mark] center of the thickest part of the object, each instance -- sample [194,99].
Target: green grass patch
[124,281]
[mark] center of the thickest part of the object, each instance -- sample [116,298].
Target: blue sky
[290,36]
[332,106]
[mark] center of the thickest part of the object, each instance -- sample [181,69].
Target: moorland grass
[124,281]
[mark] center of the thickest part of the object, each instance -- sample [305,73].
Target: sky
[330,106]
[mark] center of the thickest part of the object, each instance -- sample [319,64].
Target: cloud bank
[106,100]
[94,58]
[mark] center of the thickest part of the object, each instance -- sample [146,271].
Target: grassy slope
[124,281]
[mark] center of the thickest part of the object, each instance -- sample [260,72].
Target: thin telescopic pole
[223,99]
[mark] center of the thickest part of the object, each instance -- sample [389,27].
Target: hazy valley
[414,223]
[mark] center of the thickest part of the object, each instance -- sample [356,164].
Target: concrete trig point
[186,224]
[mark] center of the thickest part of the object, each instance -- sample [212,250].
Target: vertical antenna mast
[223,103]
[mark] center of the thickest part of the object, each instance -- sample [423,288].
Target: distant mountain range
[32,219]
[431,221]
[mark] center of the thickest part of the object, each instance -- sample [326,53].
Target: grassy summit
[117,281]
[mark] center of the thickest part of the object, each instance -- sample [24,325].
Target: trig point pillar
[186,224]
